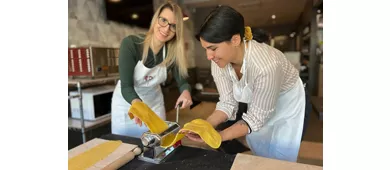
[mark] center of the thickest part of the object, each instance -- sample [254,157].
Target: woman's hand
[137,121]
[193,136]
[185,98]
[196,138]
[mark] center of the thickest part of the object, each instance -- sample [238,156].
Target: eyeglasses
[164,22]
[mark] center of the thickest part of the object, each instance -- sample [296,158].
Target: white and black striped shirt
[268,71]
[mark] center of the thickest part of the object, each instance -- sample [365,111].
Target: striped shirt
[269,74]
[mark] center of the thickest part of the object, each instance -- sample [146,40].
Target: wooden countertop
[250,162]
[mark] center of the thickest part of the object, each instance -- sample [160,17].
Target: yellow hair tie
[248,33]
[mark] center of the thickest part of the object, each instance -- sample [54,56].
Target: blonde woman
[144,61]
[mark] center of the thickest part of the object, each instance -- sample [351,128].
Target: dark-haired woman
[256,81]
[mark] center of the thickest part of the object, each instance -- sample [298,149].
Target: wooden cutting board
[123,154]
[251,162]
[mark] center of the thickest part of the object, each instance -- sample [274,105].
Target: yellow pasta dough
[93,155]
[157,125]
[151,120]
[205,131]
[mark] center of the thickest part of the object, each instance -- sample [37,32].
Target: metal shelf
[81,83]
[75,124]
[87,82]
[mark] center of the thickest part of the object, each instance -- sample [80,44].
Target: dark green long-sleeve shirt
[130,53]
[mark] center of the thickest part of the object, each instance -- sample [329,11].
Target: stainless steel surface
[86,82]
[150,139]
[177,111]
[81,112]
[162,155]
[75,124]
[151,142]
[74,96]
[173,127]
[177,114]
[146,140]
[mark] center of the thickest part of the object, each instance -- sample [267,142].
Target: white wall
[87,25]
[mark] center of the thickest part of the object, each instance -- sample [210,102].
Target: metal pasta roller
[153,152]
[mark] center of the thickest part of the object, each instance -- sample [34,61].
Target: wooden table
[250,162]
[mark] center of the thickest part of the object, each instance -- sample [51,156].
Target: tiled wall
[87,25]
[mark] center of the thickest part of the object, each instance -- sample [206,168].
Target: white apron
[147,85]
[280,137]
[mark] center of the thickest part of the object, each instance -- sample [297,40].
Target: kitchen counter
[189,158]
[184,158]
[250,162]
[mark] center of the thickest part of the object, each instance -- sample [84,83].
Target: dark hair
[224,22]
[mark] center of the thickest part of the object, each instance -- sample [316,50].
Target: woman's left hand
[185,98]
[194,137]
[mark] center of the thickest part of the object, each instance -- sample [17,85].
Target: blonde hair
[176,53]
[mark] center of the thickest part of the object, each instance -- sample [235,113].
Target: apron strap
[164,52]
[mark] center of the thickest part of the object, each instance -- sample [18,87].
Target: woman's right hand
[136,119]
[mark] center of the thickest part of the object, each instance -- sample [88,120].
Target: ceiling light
[280,38]
[185,17]
[273,16]
[115,0]
[134,16]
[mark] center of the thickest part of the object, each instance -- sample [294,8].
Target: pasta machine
[153,152]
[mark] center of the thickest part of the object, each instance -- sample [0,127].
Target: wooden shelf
[76,123]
